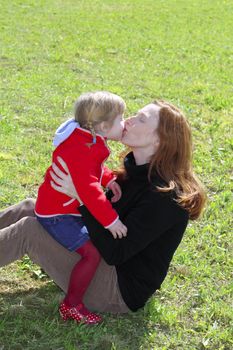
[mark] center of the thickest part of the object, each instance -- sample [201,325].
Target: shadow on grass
[30,320]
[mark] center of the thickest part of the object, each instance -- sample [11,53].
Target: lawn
[51,51]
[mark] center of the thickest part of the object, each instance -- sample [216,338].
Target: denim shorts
[68,230]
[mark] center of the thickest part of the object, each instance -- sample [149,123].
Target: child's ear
[104,127]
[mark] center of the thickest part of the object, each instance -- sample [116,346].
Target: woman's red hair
[173,160]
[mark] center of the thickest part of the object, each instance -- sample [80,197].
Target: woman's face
[140,130]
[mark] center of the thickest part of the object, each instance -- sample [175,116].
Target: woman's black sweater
[156,224]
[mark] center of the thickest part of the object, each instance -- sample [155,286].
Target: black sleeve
[145,223]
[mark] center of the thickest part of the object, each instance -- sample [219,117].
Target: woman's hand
[63,181]
[116,190]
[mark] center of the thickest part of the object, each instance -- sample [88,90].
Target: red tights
[82,274]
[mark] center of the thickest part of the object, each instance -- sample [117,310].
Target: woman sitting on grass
[160,193]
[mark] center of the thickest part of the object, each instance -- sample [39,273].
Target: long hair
[173,160]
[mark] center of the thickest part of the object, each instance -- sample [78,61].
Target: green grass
[51,51]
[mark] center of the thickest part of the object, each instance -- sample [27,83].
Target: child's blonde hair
[92,108]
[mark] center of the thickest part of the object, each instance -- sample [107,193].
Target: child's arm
[107,177]
[108,181]
[63,182]
[116,190]
[89,188]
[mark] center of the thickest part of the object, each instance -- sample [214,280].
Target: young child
[81,143]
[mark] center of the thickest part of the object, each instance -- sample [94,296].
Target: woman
[159,194]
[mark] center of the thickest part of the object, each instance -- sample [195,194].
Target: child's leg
[68,230]
[72,233]
[82,273]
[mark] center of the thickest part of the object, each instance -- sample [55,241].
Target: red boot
[78,313]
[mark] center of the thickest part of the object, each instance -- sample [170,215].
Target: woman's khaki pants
[21,234]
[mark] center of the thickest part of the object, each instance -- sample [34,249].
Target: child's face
[116,130]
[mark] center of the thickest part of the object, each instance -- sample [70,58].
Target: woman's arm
[89,189]
[145,223]
[149,220]
[63,182]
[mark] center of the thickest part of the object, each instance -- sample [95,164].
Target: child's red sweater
[86,165]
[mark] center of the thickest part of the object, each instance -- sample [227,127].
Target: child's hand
[116,190]
[118,229]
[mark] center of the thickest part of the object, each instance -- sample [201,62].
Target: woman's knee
[28,206]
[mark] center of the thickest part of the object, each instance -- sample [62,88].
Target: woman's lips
[123,133]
